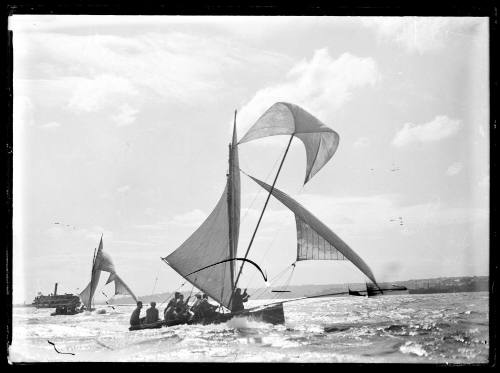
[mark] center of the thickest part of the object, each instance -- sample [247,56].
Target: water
[426,328]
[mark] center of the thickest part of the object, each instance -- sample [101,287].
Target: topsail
[315,241]
[284,118]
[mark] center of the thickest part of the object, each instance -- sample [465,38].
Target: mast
[91,279]
[230,202]
[263,209]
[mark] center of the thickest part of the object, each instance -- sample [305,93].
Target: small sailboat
[102,262]
[208,258]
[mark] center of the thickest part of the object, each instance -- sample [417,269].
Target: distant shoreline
[438,285]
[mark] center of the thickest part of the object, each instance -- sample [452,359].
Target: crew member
[152,314]
[135,318]
[239,299]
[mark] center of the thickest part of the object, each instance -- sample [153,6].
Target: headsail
[121,287]
[314,239]
[284,118]
[103,262]
[211,242]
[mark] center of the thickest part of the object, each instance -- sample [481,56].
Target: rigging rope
[170,296]
[276,234]
[261,291]
[260,190]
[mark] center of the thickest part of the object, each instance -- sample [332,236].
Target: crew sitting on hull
[195,308]
[135,318]
[239,299]
[182,308]
[177,309]
[205,311]
[169,313]
[152,314]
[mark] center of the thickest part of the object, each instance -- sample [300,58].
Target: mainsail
[103,262]
[215,240]
[284,118]
[315,241]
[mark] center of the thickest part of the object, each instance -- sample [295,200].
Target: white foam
[246,323]
[413,348]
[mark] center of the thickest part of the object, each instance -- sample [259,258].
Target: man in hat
[152,314]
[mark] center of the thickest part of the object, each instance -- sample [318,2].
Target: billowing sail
[88,294]
[103,262]
[314,239]
[100,260]
[215,240]
[284,118]
[209,244]
[120,286]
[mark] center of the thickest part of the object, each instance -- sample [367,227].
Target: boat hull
[271,314]
[155,325]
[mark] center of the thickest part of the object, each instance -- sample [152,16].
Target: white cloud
[50,125]
[95,94]
[454,169]
[422,34]
[191,218]
[439,128]
[126,115]
[373,214]
[123,189]
[320,85]
[362,142]
[174,66]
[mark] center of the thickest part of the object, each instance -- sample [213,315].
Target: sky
[121,126]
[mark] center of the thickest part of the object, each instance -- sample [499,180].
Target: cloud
[362,142]
[65,231]
[188,219]
[191,218]
[98,70]
[422,34]
[94,94]
[50,125]
[123,189]
[320,85]
[362,215]
[125,116]
[454,169]
[439,128]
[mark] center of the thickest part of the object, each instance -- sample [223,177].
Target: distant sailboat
[207,259]
[102,262]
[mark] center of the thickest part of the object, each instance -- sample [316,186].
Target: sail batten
[314,238]
[283,118]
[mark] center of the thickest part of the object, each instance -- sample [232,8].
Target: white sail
[284,118]
[315,241]
[214,241]
[103,263]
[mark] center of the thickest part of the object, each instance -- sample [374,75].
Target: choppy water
[430,328]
